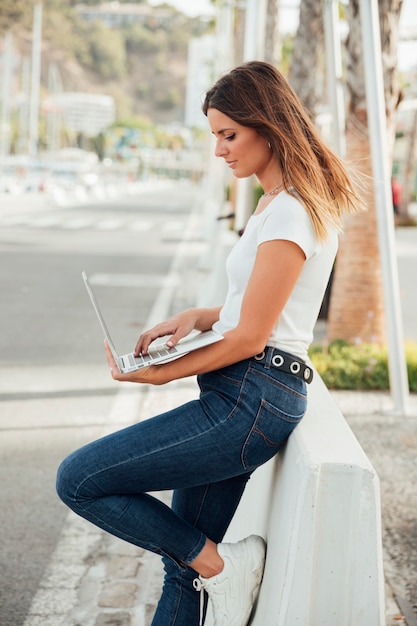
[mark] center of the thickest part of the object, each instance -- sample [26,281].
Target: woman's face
[245,151]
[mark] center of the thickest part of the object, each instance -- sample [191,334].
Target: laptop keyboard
[153,354]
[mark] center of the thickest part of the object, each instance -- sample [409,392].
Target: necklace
[273,192]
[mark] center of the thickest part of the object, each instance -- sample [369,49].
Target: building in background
[116,14]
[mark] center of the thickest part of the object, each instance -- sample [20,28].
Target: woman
[253,383]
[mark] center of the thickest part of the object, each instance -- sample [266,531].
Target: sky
[407,52]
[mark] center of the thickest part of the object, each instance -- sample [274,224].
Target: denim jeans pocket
[270,430]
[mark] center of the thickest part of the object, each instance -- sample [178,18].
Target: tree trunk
[272,53]
[304,75]
[239,33]
[410,161]
[356,312]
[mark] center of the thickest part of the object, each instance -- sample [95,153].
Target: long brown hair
[257,95]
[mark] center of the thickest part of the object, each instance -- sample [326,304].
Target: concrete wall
[318,507]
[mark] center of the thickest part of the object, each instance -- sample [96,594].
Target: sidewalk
[97,580]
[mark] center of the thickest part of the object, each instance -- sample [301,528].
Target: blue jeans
[204,451]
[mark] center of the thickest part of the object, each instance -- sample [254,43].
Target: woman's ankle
[209,562]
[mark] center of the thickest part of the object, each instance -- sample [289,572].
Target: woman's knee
[63,482]
[68,479]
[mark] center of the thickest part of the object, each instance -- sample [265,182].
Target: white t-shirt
[284,218]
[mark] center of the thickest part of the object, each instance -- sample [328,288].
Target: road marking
[173,225]
[44,222]
[58,590]
[79,223]
[142,225]
[134,280]
[13,220]
[109,224]
[76,223]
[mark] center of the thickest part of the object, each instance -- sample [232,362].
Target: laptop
[158,353]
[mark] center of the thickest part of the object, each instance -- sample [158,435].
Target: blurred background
[106,165]
[97,90]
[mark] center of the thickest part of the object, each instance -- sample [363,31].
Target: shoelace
[198,586]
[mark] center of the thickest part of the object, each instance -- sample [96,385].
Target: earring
[269,145]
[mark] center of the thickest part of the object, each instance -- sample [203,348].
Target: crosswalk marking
[173,225]
[13,220]
[62,222]
[44,222]
[135,280]
[77,223]
[142,225]
[109,224]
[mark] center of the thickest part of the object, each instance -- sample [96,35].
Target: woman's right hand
[175,328]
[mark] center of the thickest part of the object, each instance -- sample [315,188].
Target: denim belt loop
[265,357]
[269,353]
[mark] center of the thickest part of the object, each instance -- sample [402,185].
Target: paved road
[55,392]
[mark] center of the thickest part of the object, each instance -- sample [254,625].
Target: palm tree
[272,49]
[356,307]
[308,53]
[409,166]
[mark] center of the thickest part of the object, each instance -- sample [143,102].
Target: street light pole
[6,90]
[22,142]
[372,55]
[35,81]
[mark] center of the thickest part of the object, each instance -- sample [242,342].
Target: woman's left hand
[144,375]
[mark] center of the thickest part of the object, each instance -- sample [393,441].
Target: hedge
[359,366]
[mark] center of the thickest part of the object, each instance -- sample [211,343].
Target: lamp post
[6,89]
[371,43]
[35,81]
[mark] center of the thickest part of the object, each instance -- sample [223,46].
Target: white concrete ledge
[318,506]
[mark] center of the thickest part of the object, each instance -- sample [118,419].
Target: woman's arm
[277,267]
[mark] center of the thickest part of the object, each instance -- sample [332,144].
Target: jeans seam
[239,398]
[281,384]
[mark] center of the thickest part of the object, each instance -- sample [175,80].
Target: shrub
[363,366]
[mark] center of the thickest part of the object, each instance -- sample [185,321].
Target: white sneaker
[233,592]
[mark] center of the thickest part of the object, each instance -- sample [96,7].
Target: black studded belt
[285,362]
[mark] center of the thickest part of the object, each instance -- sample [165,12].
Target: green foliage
[411,353]
[141,40]
[61,33]
[169,99]
[11,12]
[107,51]
[142,89]
[257,193]
[359,367]
[134,122]
[287,51]
[139,64]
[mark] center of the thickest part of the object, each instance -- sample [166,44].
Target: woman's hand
[175,328]
[143,375]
